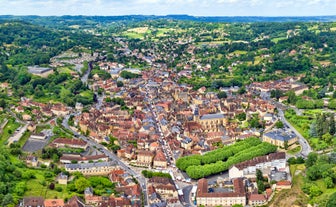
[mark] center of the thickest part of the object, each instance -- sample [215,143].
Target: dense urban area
[167,111]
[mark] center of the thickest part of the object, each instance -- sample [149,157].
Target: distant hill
[103,19]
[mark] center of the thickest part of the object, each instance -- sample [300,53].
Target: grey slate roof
[212,116]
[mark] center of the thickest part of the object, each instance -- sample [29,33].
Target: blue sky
[164,7]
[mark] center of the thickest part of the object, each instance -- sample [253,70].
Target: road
[306,149]
[85,77]
[187,196]
[112,156]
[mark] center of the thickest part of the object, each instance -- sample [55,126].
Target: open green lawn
[40,187]
[87,93]
[65,69]
[277,39]
[294,150]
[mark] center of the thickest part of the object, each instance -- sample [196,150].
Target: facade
[256,199]
[99,168]
[72,143]
[160,160]
[279,137]
[206,198]
[69,158]
[264,163]
[145,158]
[211,122]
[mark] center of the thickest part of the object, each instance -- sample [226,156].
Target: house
[32,160]
[264,163]
[145,158]
[160,160]
[207,197]
[283,184]
[99,168]
[75,201]
[32,202]
[53,203]
[62,179]
[71,143]
[256,199]
[279,137]
[70,158]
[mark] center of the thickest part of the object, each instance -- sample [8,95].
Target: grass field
[277,39]
[64,70]
[40,187]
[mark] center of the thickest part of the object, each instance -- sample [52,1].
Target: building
[71,143]
[283,184]
[32,202]
[256,199]
[160,160]
[207,198]
[40,71]
[279,137]
[71,158]
[62,179]
[145,158]
[99,168]
[53,203]
[211,122]
[264,163]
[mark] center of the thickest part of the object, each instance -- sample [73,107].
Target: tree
[286,145]
[81,184]
[279,124]
[241,116]
[327,138]
[328,181]
[8,199]
[259,175]
[261,186]
[120,84]
[332,201]
[222,95]
[311,159]
[2,103]
[242,90]
[291,97]
[52,186]
[332,128]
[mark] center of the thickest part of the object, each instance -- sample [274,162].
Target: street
[306,149]
[112,156]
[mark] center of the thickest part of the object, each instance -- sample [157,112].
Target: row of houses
[240,188]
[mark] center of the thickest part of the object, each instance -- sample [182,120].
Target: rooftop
[280,134]
[212,116]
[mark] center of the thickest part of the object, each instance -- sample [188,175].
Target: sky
[165,7]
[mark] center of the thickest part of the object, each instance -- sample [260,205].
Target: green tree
[311,159]
[327,138]
[81,184]
[222,95]
[291,97]
[261,186]
[332,201]
[120,84]
[279,124]
[328,181]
